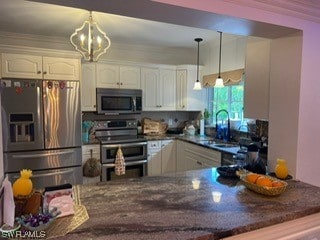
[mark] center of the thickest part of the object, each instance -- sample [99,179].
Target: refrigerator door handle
[42,154]
[52,173]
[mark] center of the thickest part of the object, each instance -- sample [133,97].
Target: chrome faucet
[228,130]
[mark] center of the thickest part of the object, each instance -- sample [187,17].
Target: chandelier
[90,40]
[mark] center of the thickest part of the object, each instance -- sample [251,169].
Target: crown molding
[304,9]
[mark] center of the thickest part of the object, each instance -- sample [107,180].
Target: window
[229,98]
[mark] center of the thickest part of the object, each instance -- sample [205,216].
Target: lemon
[23,185]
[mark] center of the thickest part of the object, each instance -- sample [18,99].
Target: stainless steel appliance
[41,122]
[119,101]
[122,133]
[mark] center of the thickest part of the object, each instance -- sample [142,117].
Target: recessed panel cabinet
[39,67]
[191,156]
[188,99]
[115,76]
[159,89]
[88,87]
[161,157]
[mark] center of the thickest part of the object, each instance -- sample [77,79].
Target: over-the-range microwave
[114,101]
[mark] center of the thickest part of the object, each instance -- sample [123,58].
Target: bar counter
[168,207]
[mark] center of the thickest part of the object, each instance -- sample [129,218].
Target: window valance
[233,77]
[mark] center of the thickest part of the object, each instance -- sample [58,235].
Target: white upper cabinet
[115,76]
[186,97]
[88,87]
[130,77]
[257,78]
[38,67]
[159,87]
[61,68]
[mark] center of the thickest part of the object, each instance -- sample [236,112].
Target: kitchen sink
[225,145]
[212,143]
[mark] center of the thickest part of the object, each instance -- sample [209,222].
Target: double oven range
[115,134]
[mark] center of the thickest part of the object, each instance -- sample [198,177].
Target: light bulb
[219,83]
[197,85]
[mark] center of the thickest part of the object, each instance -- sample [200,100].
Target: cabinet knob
[121,83]
[160,106]
[45,72]
[117,83]
[199,163]
[38,72]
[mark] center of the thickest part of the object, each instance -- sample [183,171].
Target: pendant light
[197,84]
[90,40]
[219,80]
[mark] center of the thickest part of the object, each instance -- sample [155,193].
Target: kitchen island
[168,207]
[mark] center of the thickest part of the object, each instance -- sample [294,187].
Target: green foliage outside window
[229,98]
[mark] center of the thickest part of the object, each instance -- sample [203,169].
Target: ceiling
[142,22]
[27,17]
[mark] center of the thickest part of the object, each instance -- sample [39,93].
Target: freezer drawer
[46,178]
[42,160]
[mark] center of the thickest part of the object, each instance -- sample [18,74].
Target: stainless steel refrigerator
[41,122]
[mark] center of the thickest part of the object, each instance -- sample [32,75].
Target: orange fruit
[277,184]
[264,181]
[252,177]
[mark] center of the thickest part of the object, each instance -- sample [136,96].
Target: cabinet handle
[199,163]
[38,72]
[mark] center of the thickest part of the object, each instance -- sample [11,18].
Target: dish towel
[120,168]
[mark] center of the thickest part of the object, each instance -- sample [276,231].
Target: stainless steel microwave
[114,101]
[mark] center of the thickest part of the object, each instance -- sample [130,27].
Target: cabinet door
[167,84]
[108,76]
[61,68]
[21,66]
[86,154]
[130,77]
[181,90]
[154,158]
[168,156]
[256,84]
[150,89]
[88,87]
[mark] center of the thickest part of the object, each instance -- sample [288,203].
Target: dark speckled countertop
[167,207]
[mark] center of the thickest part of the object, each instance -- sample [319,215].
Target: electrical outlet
[170,122]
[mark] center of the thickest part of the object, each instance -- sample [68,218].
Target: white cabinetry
[161,157]
[191,156]
[257,70]
[115,76]
[159,89]
[39,67]
[87,151]
[88,87]
[186,97]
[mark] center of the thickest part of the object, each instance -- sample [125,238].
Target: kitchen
[304,170]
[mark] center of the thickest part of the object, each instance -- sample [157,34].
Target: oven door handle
[132,163]
[124,145]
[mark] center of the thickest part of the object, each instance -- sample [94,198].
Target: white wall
[308,131]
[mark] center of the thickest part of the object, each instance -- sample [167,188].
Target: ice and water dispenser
[21,127]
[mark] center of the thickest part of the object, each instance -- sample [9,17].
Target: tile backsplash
[172,118]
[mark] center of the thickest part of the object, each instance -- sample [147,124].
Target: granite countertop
[167,207]
[196,139]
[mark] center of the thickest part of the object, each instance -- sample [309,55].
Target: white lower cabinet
[86,154]
[161,157]
[191,156]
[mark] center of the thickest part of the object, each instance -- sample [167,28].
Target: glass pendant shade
[90,40]
[219,83]
[197,85]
